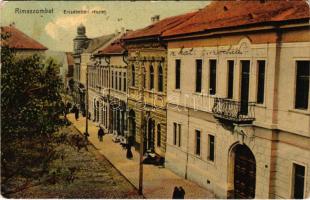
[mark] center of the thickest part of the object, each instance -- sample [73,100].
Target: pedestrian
[129,153]
[100,134]
[176,192]
[76,114]
[182,193]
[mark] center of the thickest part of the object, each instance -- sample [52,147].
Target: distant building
[238,119]
[21,43]
[83,49]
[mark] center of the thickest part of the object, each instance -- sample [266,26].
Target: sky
[57,30]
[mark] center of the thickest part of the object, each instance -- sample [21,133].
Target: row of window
[151,76]
[118,80]
[302,80]
[177,132]
[298,177]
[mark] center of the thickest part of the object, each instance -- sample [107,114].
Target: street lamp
[142,128]
[86,104]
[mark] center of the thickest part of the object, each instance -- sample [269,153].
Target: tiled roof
[114,48]
[19,40]
[224,14]
[158,28]
[95,43]
[69,58]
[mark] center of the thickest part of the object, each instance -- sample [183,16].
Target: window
[133,76]
[112,79]
[120,81]
[260,82]
[212,77]
[151,77]
[198,75]
[197,150]
[230,86]
[125,83]
[144,77]
[177,73]
[158,135]
[211,148]
[116,85]
[175,133]
[302,85]
[160,78]
[179,135]
[298,181]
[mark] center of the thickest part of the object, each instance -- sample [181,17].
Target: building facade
[108,86]
[147,75]
[84,48]
[240,126]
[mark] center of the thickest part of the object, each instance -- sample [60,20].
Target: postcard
[155,99]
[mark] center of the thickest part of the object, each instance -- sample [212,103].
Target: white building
[238,119]
[108,89]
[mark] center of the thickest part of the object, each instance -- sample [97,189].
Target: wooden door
[244,173]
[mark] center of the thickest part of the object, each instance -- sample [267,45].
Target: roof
[69,58]
[19,40]
[158,28]
[114,48]
[223,14]
[95,43]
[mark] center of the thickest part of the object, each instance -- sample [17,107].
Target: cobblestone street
[94,177]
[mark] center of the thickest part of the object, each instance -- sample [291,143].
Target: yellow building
[147,72]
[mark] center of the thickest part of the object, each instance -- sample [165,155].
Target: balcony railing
[233,111]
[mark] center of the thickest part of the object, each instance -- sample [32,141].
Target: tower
[80,41]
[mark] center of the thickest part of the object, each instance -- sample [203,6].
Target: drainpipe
[275,106]
[187,145]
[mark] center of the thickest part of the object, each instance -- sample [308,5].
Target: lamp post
[142,128]
[86,103]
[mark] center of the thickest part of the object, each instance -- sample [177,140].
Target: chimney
[155,18]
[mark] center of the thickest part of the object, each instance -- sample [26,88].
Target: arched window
[158,135]
[151,77]
[160,78]
[133,75]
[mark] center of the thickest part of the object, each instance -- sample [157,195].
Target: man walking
[100,134]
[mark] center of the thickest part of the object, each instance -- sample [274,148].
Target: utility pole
[142,129]
[86,102]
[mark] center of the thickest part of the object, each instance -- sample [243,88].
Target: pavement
[158,182]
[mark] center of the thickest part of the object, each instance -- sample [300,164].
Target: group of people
[178,193]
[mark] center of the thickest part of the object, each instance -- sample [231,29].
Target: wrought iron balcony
[233,111]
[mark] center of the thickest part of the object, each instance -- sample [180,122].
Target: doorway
[244,173]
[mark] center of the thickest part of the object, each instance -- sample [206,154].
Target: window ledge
[260,105]
[299,111]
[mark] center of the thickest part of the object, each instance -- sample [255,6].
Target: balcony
[227,110]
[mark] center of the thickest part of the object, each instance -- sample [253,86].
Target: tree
[30,111]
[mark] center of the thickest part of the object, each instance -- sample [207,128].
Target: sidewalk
[158,182]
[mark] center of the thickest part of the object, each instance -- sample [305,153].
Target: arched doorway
[132,127]
[242,176]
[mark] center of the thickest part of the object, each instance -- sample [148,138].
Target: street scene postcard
[155,99]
